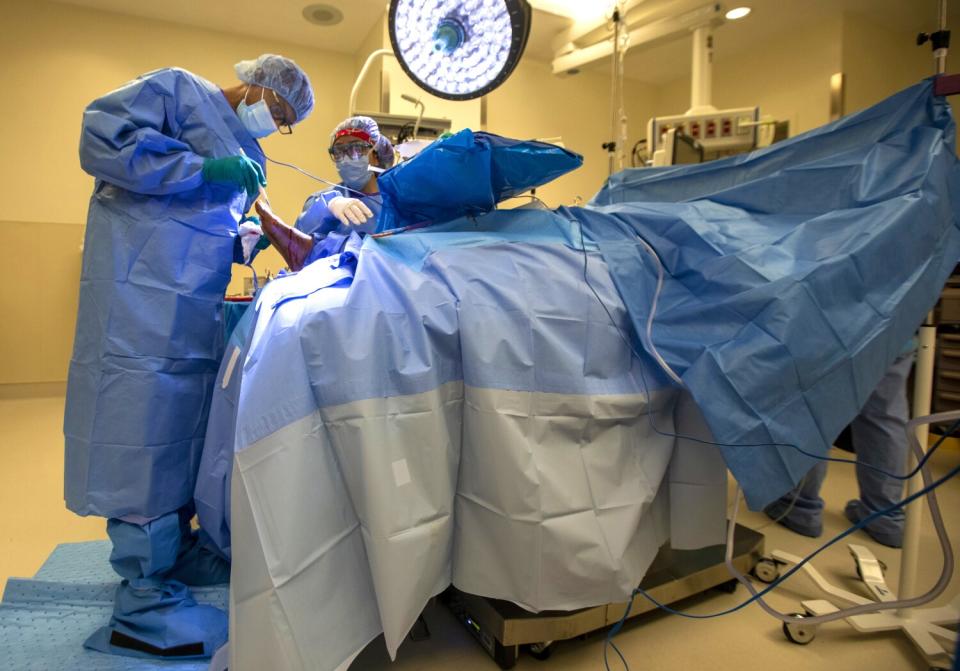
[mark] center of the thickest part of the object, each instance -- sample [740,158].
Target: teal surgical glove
[239,171]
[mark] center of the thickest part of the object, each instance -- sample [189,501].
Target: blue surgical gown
[156,262]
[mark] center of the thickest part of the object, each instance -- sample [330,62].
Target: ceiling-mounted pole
[702,78]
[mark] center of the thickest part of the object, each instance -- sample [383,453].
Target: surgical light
[459,49]
[737,13]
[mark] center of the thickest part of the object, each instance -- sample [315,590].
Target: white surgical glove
[350,211]
[250,234]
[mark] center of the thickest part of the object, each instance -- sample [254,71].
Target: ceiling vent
[322,15]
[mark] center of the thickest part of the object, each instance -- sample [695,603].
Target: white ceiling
[283,20]
[276,19]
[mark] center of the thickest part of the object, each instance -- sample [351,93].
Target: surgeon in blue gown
[177,164]
[356,146]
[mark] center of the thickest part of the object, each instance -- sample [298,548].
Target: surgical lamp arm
[420,106]
[355,91]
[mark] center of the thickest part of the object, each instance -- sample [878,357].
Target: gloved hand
[240,171]
[294,246]
[263,242]
[350,211]
[250,235]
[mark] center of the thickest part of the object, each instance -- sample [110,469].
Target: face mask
[256,118]
[354,172]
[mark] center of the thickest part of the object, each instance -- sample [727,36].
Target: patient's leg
[294,246]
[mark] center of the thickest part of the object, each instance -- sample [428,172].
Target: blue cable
[859,525]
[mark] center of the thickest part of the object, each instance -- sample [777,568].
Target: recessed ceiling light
[322,15]
[737,13]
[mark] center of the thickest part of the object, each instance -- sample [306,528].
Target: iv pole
[922,386]
[618,117]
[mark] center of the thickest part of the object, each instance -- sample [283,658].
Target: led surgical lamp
[459,49]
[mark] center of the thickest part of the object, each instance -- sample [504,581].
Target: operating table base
[502,627]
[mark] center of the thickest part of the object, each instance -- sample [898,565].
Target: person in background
[880,442]
[356,146]
[177,164]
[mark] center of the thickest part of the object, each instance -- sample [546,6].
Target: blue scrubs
[880,441]
[157,254]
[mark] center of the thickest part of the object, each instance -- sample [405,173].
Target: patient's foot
[294,246]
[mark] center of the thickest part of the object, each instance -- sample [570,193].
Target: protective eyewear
[284,127]
[349,150]
[279,115]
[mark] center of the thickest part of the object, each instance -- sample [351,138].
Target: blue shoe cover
[882,529]
[160,622]
[199,566]
[775,511]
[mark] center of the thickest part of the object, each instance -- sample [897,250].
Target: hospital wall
[368,97]
[56,59]
[873,72]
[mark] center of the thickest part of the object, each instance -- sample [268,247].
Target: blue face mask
[354,172]
[256,118]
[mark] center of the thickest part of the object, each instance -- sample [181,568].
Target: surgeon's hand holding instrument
[264,197]
[239,171]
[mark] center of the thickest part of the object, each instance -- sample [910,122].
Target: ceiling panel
[283,20]
[278,19]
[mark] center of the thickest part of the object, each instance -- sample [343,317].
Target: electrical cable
[373,196]
[793,502]
[872,607]
[532,196]
[635,155]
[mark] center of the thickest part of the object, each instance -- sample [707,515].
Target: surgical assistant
[356,145]
[177,164]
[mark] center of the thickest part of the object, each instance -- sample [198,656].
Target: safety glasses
[279,115]
[348,150]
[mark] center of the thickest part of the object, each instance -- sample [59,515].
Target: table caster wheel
[798,632]
[766,571]
[541,651]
